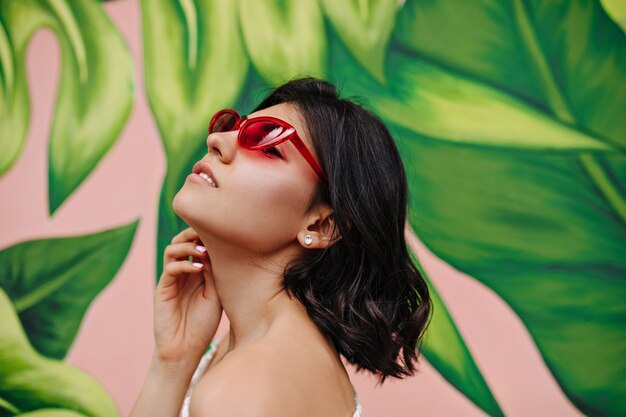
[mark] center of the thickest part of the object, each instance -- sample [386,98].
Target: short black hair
[364,291]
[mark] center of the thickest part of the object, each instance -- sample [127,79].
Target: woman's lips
[197,178]
[203,166]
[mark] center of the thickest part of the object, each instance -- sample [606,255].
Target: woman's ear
[321,230]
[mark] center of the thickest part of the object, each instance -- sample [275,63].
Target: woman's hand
[187,309]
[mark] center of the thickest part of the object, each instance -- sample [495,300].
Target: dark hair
[363,291]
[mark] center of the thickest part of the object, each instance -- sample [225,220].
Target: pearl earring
[308,239]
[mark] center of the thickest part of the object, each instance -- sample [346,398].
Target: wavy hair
[363,291]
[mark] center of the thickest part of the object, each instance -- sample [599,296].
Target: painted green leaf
[6,408]
[617,10]
[190,73]
[557,222]
[13,100]
[512,122]
[535,50]
[534,204]
[535,229]
[444,347]
[52,282]
[51,413]
[365,27]
[95,91]
[30,382]
[284,39]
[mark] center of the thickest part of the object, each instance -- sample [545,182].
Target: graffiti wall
[509,117]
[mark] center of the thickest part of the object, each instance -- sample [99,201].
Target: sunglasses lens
[263,133]
[224,122]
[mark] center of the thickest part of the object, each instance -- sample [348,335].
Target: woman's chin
[189,207]
[180,204]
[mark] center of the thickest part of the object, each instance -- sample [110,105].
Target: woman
[297,216]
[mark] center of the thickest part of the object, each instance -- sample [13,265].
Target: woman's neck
[251,292]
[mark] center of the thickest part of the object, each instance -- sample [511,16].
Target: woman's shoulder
[260,360]
[275,376]
[242,381]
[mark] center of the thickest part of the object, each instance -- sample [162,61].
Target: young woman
[297,217]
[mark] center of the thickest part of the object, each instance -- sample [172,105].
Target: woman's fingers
[187,235]
[173,271]
[182,251]
[176,259]
[181,267]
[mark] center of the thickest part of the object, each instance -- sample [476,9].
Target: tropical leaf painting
[95,94]
[47,285]
[507,115]
[32,384]
[42,305]
[548,219]
[51,297]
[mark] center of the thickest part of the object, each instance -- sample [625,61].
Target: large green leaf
[532,227]
[190,73]
[533,203]
[617,10]
[51,412]
[41,387]
[284,39]
[13,100]
[445,349]
[53,281]
[548,231]
[95,91]
[565,57]
[512,122]
[365,27]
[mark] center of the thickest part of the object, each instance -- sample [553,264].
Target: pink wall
[115,340]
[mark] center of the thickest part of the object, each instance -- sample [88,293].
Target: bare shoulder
[277,377]
[241,384]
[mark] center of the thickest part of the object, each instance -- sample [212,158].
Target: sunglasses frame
[242,121]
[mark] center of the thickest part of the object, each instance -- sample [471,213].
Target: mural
[508,116]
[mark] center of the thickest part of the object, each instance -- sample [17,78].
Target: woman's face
[261,198]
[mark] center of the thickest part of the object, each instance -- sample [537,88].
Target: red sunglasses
[262,132]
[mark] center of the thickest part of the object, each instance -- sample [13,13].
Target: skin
[274,360]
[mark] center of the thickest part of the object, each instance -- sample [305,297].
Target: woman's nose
[224,144]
